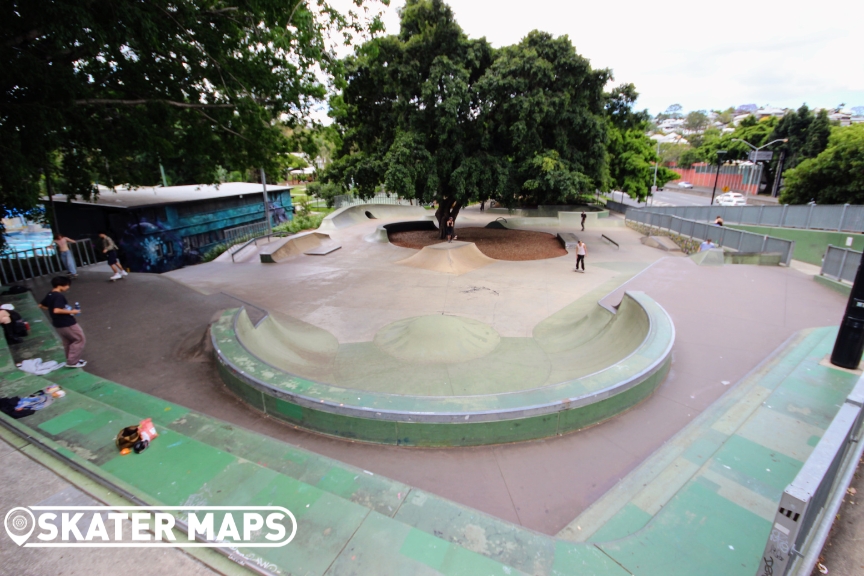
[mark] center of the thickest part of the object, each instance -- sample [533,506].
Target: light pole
[720,155]
[756,151]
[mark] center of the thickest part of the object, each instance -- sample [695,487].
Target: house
[164,228]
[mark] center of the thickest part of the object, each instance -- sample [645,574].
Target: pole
[850,339]
[266,202]
[776,188]
[716,177]
[164,179]
[54,224]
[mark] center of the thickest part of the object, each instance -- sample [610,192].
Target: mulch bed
[495,243]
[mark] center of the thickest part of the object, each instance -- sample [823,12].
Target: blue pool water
[16,241]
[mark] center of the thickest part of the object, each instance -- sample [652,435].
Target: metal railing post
[764,242]
[759,219]
[842,217]
[783,216]
[842,263]
[809,215]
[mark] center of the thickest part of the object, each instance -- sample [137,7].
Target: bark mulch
[495,243]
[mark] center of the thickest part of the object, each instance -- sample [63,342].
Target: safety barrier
[722,236]
[838,217]
[35,262]
[810,503]
[840,263]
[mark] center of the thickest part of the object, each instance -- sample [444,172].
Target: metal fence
[618,206]
[810,503]
[238,234]
[383,198]
[838,218]
[840,263]
[720,235]
[35,262]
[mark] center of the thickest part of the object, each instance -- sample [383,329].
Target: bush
[327,191]
[299,223]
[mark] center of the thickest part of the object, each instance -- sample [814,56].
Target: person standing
[448,229]
[109,248]
[718,221]
[584,216]
[482,205]
[66,256]
[63,318]
[706,245]
[581,251]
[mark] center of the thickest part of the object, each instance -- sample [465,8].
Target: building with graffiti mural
[163,228]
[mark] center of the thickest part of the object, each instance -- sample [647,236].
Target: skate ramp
[713,257]
[352,215]
[660,242]
[382,232]
[449,258]
[292,246]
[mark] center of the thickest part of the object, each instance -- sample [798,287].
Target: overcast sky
[702,55]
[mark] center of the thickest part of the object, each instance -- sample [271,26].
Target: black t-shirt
[57,300]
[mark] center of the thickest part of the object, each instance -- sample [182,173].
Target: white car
[685,185]
[730,199]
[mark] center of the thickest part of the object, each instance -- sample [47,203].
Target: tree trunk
[447,208]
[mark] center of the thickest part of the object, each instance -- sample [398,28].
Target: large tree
[632,154]
[433,115]
[543,111]
[409,113]
[107,90]
[834,176]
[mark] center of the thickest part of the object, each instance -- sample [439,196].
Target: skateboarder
[63,318]
[109,248]
[66,256]
[448,229]
[584,216]
[581,251]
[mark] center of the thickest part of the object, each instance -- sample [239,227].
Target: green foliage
[689,157]
[436,116]
[106,90]
[300,223]
[696,120]
[834,176]
[325,191]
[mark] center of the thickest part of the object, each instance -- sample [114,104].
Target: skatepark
[465,414]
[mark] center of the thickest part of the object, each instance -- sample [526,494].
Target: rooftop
[158,195]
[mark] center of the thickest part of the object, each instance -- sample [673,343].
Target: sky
[701,55]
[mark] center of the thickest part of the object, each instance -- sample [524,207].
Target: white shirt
[580,249]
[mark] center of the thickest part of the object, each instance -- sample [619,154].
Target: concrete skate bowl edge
[466,420]
[352,215]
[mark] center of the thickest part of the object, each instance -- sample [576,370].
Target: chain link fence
[840,263]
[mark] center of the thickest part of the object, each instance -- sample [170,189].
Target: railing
[234,235]
[618,206]
[35,262]
[810,503]
[250,242]
[720,235]
[837,218]
[384,198]
[840,263]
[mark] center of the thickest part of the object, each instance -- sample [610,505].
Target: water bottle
[78,306]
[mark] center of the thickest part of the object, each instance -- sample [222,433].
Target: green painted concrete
[595,365]
[701,505]
[841,287]
[810,245]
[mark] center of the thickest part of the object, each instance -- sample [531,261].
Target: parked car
[685,185]
[730,199]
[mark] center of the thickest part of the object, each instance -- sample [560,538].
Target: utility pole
[776,188]
[720,155]
[266,202]
[850,339]
[50,188]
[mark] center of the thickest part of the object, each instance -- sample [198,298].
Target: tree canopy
[106,91]
[834,176]
[436,116]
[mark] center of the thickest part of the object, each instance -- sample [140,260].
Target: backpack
[16,289]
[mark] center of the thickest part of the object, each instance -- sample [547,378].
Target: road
[668,198]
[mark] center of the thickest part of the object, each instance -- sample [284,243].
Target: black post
[850,339]
[720,154]
[776,188]
[55,226]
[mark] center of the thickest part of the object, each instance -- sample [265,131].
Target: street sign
[725,188]
[761,156]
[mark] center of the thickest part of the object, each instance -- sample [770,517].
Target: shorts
[112,257]
[449,231]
